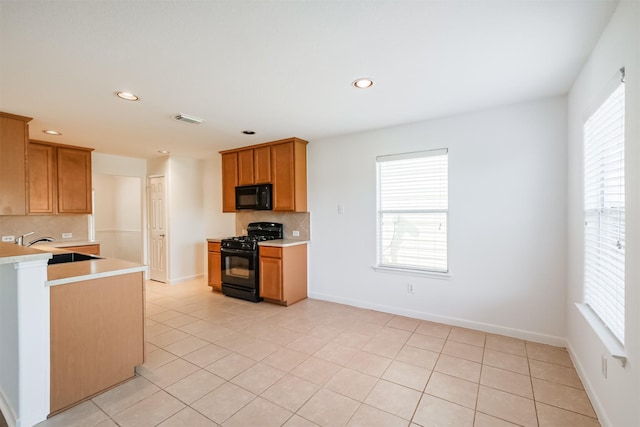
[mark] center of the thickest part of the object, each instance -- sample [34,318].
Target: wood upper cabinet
[245,167]
[229,181]
[14,136]
[254,166]
[283,273]
[214,261]
[59,179]
[74,180]
[41,178]
[282,163]
[262,165]
[289,175]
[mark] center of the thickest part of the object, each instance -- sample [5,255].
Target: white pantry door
[157,232]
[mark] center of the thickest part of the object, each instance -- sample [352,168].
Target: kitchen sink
[70,257]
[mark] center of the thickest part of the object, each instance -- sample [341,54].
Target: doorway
[117,218]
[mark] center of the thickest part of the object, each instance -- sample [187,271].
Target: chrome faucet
[20,239]
[41,239]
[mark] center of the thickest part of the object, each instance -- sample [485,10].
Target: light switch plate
[67,235]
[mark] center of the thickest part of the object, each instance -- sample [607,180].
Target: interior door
[157,229]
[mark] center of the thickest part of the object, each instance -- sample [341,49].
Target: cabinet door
[262,165]
[74,180]
[229,181]
[215,275]
[282,173]
[13,140]
[245,167]
[42,175]
[271,278]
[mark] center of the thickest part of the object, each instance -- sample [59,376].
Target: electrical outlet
[295,233]
[410,288]
[340,209]
[67,235]
[9,239]
[603,366]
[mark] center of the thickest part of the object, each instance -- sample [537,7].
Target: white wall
[186,219]
[506,215]
[615,398]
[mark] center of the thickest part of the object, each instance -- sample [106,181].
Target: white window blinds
[413,210]
[604,211]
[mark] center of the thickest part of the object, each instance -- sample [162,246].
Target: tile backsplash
[291,221]
[45,226]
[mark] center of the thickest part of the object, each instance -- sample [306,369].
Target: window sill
[608,340]
[411,272]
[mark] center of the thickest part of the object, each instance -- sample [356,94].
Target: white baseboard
[588,387]
[184,279]
[464,323]
[7,412]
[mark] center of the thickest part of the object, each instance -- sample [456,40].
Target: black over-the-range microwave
[256,197]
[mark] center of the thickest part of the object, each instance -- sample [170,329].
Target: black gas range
[240,260]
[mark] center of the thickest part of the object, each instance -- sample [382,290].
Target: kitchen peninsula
[69,330]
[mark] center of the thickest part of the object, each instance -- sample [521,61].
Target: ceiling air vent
[188,119]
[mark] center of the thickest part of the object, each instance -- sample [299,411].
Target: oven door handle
[235,251]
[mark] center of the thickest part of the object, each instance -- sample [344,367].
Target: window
[413,211]
[604,212]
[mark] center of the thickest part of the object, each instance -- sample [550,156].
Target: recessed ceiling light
[52,132]
[128,96]
[248,132]
[362,83]
[163,152]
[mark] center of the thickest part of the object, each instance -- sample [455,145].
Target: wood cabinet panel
[282,163]
[14,134]
[214,266]
[85,249]
[271,278]
[262,165]
[74,180]
[41,178]
[229,181]
[245,167]
[282,177]
[283,273]
[97,336]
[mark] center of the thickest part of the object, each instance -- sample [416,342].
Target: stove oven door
[240,273]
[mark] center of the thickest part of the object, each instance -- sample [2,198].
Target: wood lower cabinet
[84,249]
[214,260]
[59,179]
[14,137]
[283,273]
[97,336]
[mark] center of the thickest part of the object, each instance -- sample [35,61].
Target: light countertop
[283,243]
[69,272]
[10,253]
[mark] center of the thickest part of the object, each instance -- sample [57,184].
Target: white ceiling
[280,68]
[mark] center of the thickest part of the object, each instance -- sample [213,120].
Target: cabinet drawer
[270,252]
[213,246]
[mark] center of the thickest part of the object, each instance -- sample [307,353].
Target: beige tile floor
[218,361]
